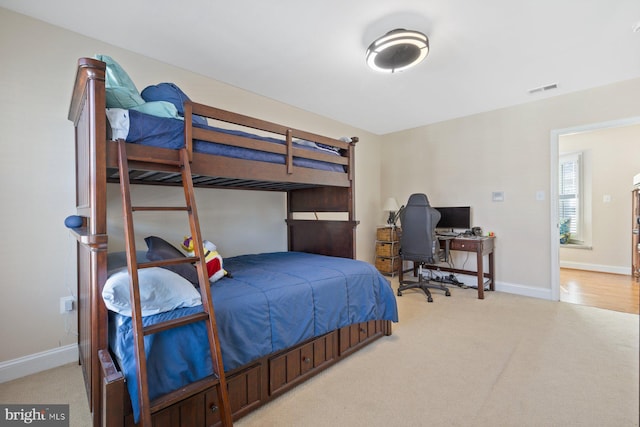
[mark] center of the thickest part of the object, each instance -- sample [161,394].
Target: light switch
[497,196]
[606,198]
[540,195]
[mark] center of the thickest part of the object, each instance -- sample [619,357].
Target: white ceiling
[484,54]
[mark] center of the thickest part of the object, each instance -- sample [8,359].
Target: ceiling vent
[543,88]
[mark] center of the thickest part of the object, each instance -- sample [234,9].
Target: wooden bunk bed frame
[308,190]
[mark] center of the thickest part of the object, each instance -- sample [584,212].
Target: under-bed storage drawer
[244,394]
[185,413]
[352,336]
[291,367]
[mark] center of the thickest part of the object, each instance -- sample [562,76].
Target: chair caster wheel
[447,294]
[429,299]
[399,293]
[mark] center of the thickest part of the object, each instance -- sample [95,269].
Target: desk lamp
[391,206]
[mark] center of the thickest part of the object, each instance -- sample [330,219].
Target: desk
[481,246]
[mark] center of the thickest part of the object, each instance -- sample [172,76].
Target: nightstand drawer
[387,265]
[388,234]
[387,249]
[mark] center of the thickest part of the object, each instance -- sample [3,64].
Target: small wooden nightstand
[388,250]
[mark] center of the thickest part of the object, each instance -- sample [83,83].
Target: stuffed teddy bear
[211,256]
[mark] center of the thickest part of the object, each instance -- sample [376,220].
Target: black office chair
[419,243]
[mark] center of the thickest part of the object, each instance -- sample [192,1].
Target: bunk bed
[317,175]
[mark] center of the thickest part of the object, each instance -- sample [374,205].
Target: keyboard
[447,234]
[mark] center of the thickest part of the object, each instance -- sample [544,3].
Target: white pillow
[160,290]
[119,121]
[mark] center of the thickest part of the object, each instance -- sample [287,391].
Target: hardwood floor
[616,292]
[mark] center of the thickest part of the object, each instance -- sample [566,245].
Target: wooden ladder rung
[174,323]
[160,208]
[169,261]
[191,389]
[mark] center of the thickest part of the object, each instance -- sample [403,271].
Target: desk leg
[492,284]
[480,269]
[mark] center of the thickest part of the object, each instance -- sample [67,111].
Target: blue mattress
[272,302]
[162,132]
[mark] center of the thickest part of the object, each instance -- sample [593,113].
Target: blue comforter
[272,302]
[162,132]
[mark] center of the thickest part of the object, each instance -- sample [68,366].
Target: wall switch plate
[540,195]
[497,196]
[66,304]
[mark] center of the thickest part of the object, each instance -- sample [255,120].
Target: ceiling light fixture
[397,50]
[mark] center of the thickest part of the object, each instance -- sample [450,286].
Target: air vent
[543,88]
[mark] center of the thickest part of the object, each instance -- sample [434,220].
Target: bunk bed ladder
[148,407]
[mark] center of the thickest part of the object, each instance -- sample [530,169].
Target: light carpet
[506,360]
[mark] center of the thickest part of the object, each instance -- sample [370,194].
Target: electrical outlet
[66,304]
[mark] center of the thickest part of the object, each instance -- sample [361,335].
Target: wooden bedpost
[352,178]
[87,112]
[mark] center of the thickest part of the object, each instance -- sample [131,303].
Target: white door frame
[553,191]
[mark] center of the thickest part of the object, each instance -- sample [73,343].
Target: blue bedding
[272,302]
[163,132]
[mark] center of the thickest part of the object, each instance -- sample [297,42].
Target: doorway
[589,249]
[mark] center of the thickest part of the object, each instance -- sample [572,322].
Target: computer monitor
[451,218]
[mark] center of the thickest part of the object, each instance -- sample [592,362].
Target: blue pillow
[171,93]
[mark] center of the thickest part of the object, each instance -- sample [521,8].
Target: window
[570,194]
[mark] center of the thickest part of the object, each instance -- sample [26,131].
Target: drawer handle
[214,408]
[363,330]
[306,360]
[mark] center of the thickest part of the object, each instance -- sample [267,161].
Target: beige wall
[462,161]
[456,162]
[37,178]
[611,159]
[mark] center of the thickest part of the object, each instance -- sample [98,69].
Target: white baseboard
[526,291]
[595,267]
[38,362]
[511,288]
